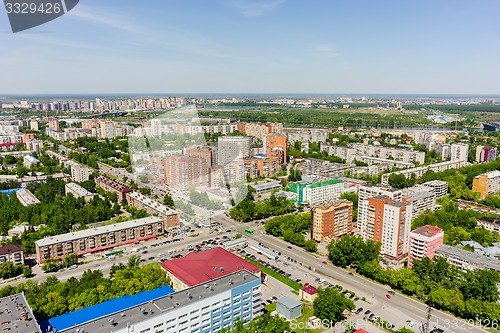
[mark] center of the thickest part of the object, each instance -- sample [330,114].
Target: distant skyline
[283,47]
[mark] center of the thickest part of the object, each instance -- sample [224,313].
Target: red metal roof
[360,330]
[10,249]
[311,290]
[200,267]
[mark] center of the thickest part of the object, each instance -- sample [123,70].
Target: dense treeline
[202,199]
[458,225]
[100,150]
[53,298]
[470,295]
[292,228]
[56,214]
[248,210]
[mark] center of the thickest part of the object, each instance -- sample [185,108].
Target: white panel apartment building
[355,150]
[396,229]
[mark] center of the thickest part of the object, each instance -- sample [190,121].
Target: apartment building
[110,185]
[185,172]
[29,160]
[169,216]
[419,171]
[389,222]
[331,220]
[12,253]
[208,307]
[306,136]
[440,187]
[79,173]
[258,130]
[486,183]
[421,201]
[34,146]
[99,239]
[233,148]
[318,192]
[466,260]
[459,152]
[353,152]
[26,198]
[78,192]
[366,192]
[423,242]
[275,146]
[486,154]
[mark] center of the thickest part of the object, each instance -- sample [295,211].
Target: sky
[257,46]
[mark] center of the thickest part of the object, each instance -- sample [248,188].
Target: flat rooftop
[16,315]
[26,197]
[157,306]
[427,230]
[78,190]
[469,257]
[97,231]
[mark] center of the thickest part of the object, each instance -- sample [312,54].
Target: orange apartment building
[389,222]
[331,220]
[275,146]
[486,183]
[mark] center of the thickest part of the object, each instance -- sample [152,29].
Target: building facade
[233,148]
[169,216]
[486,183]
[79,173]
[276,145]
[423,243]
[389,223]
[419,171]
[331,220]
[466,260]
[98,239]
[110,185]
[12,253]
[315,193]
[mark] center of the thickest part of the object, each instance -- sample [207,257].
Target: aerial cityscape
[242,166]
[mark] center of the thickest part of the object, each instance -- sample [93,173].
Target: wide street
[397,310]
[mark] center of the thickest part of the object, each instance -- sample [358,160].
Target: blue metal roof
[9,191]
[93,312]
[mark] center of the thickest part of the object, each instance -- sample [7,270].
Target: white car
[306,275]
[321,266]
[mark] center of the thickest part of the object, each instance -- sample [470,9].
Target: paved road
[397,310]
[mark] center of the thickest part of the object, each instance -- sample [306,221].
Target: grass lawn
[277,276]
[307,312]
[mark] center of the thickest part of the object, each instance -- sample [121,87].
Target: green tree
[330,304]
[134,261]
[351,250]
[311,245]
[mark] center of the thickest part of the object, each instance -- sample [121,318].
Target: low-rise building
[421,170]
[16,315]
[207,307]
[12,253]
[110,185]
[78,192]
[423,242]
[288,307]
[29,160]
[98,239]
[26,198]
[308,293]
[201,267]
[466,260]
[169,216]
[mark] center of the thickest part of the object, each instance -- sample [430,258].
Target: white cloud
[327,50]
[256,7]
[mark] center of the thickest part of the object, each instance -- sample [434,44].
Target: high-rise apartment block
[258,130]
[54,124]
[233,148]
[423,242]
[486,154]
[331,220]
[275,145]
[389,222]
[459,152]
[79,173]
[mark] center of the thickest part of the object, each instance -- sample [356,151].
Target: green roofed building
[311,194]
